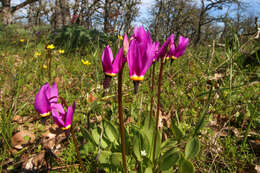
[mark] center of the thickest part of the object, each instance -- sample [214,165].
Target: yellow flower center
[45,114]
[173,57]
[137,78]
[66,128]
[111,74]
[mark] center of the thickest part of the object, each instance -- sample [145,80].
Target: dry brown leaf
[166,119]
[257,168]
[255,145]
[52,138]
[216,76]
[91,98]
[129,120]
[22,138]
[35,162]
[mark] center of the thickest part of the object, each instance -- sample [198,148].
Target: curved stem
[158,107]
[121,119]
[151,105]
[77,150]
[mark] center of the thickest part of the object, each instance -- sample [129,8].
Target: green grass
[186,86]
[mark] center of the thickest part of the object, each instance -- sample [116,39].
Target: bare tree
[6,11]
[204,18]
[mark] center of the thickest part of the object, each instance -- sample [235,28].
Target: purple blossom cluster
[140,53]
[46,104]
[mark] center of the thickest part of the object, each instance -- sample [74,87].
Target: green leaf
[167,145]
[137,146]
[186,167]
[202,118]
[148,170]
[192,148]
[116,159]
[88,136]
[168,160]
[104,157]
[158,144]
[96,137]
[111,132]
[177,131]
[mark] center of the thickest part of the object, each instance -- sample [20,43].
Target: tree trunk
[106,16]
[6,12]
[58,15]
[65,11]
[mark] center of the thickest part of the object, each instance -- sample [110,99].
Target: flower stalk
[49,64]
[158,107]
[152,87]
[77,150]
[121,118]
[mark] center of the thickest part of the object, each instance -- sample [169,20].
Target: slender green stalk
[151,105]
[49,65]
[252,111]
[77,150]
[158,107]
[121,118]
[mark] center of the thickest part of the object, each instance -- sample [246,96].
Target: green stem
[252,116]
[151,105]
[121,119]
[77,150]
[49,65]
[158,107]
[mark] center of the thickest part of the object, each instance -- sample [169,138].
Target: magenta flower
[167,45]
[60,117]
[110,65]
[141,54]
[176,52]
[44,98]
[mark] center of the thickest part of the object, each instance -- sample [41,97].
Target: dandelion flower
[36,54]
[61,51]
[44,66]
[85,62]
[50,46]
[22,40]
[120,37]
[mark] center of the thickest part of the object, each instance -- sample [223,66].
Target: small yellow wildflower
[61,51]
[50,46]
[22,40]
[36,54]
[44,66]
[120,37]
[85,62]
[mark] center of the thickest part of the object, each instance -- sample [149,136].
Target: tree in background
[7,11]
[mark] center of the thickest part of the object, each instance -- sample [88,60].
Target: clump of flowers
[46,104]
[140,53]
